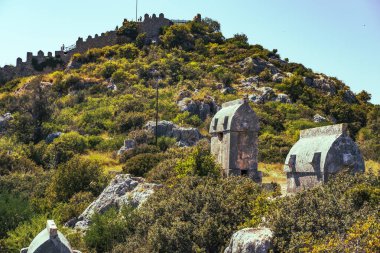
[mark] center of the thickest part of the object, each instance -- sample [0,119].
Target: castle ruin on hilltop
[42,64]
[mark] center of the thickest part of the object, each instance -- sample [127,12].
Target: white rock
[251,240]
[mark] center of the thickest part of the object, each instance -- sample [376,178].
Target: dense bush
[109,229]
[64,148]
[311,216]
[75,176]
[140,164]
[196,214]
[199,162]
[13,210]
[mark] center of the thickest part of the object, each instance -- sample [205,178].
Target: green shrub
[185,118]
[13,210]
[23,235]
[64,148]
[140,149]
[194,215]
[128,51]
[141,164]
[63,212]
[77,175]
[108,69]
[129,121]
[311,216]
[165,142]
[199,162]
[109,228]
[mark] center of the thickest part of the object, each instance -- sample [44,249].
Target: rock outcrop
[123,190]
[318,118]
[266,94]
[251,240]
[51,137]
[128,145]
[4,120]
[184,136]
[321,83]
[257,65]
[202,109]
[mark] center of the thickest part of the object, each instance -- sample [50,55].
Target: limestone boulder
[51,137]
[349,97]
[251,240]
[322,83]
[202,109]
[256,65]
[264,94]
[277,78]
[4,121]
[184,136]
[250,82]
[283,98]
[318,118]
[123,190]
[128,145]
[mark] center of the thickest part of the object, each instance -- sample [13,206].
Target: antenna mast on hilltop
[137,3]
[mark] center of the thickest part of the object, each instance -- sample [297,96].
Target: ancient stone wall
[41,63]
[152,25]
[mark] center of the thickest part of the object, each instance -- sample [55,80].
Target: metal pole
[156,109]
[137,2]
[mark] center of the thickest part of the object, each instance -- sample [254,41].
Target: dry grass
[273,173]
[372,166]
[106,160]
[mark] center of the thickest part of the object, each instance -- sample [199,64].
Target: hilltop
[62,128]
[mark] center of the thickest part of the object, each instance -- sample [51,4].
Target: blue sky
[340,38]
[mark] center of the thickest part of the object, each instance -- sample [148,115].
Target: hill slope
[107,95]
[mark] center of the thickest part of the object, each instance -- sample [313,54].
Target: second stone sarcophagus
[320,153]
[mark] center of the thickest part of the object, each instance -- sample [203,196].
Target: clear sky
[340,38]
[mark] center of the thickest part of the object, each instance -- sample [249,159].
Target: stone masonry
[150,25]
[234,139]
[320,153]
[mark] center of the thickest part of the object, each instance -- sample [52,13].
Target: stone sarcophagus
[320,153]
[234,139]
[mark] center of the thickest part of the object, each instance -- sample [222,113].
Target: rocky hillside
[65,134]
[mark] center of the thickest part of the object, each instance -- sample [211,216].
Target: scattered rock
[184,136]
[201,108]
[257,65]
[349,97]
[318,118]
[128,145]
[123,190]
[265,94]
[51,137]
[250,82]
[251,240]
[4,121]
[183,94]
[228,90]
[322,83]
[277,78]
[283,98]
[112,87]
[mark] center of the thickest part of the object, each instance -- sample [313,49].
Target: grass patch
[106,160]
